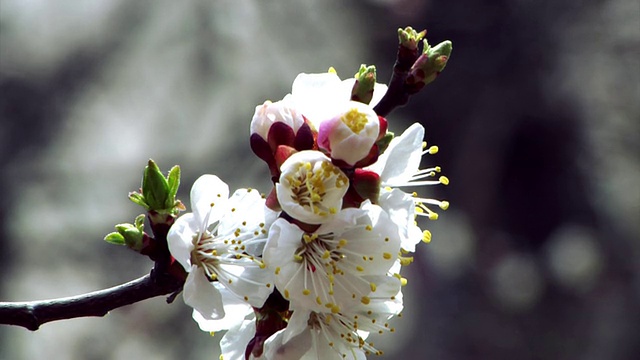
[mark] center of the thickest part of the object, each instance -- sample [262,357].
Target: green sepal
[155,187]
[115,238]
[383,143]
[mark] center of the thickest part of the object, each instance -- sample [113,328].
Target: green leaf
[137,198]
[115,238]
[139,222]
[174,184]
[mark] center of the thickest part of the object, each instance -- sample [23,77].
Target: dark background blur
[537,117]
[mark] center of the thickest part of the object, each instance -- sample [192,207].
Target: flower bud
[362,90]
[155,187]
[427,67]
[409,38]
[270,113]
[350,135]
[131,235]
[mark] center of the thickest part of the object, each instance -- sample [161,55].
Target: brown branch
[32,314]
[397,94]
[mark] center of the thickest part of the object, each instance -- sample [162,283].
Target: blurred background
[537,117]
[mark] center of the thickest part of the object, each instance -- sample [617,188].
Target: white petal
[276,348]
[180,239]
[246,210]
[248,282]
[315,95]
[207,190]
[202,296]
[401,209]
[379,90]
[402,158]
[380,243]
[235,309]
[234,343]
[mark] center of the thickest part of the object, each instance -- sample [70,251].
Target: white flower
[319,96]
[220,241]
[339,264]
[351,133]
[312,335]
[270,113]
[311,187]
[399,166]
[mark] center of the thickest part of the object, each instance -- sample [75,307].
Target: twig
[32,314]
[397,94]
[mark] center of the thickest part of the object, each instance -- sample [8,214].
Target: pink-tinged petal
[268,114]
[202,296]
[209,197]
[180,239]
[350,133]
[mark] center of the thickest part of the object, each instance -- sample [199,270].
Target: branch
[397,94]
[32,314]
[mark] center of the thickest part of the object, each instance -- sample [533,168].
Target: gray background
[536,117]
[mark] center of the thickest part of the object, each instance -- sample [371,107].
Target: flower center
[355,120]
[206,254]
[311,183]
[337,328]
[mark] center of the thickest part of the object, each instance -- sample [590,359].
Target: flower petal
[209,194]
[247,212]
[234,343]
[401,209]
[202,295]
[247,281]
[180,239]
[402,158]
[235,309]
[314,95]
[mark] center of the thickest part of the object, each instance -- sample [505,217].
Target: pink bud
[350,135]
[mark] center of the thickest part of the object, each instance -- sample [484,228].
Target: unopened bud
[155,187]
[159,192]
[427,67]
[409,38]
[131,235]
[365,82]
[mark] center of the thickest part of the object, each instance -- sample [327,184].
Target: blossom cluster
[311,269]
